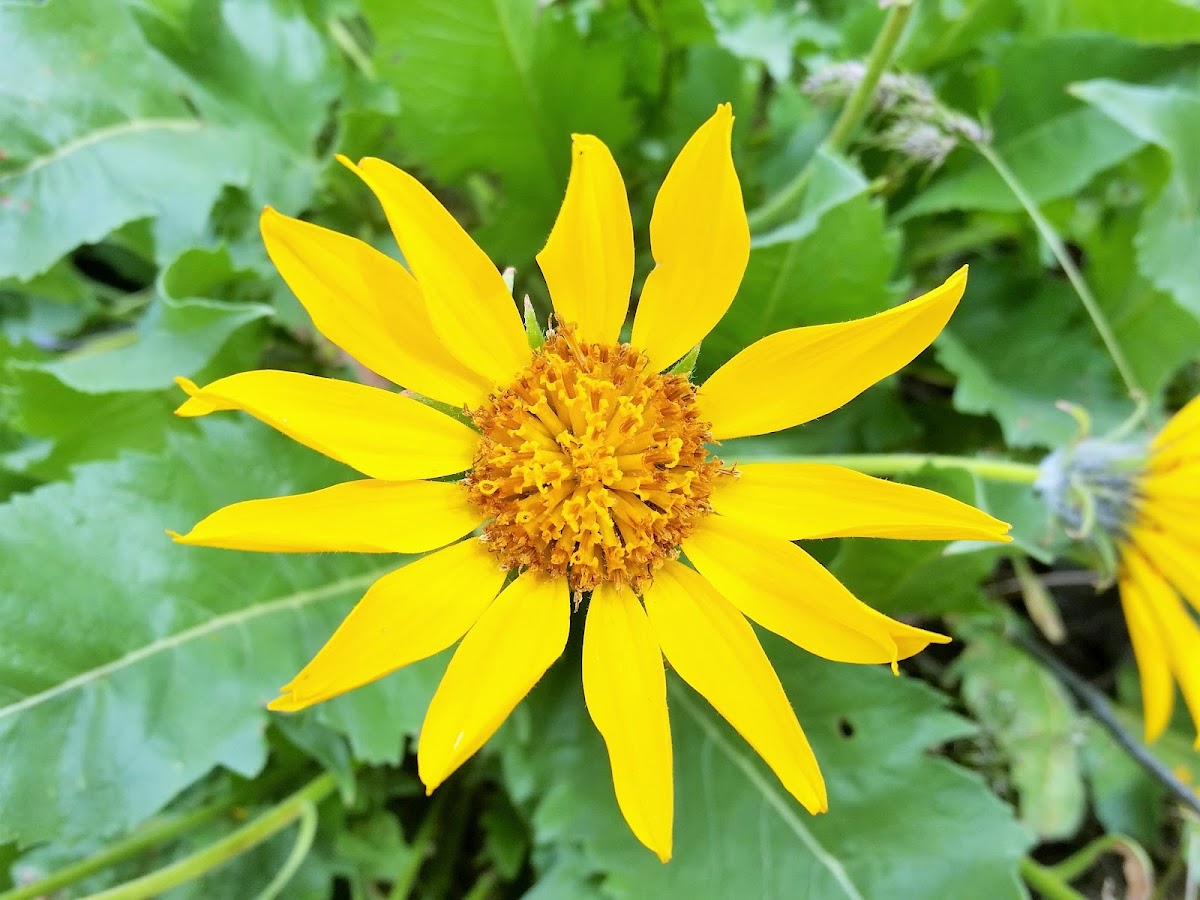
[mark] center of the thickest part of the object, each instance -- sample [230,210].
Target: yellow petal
[1163,543]
[469,304]
[626,693]
[588,259]
[499,661]
[794,376]
[381,434]
[356,517]
[407,615]
[1174,488]
[368,304]
[798,501]
[716,651]
[1180,438]
[700,241]
[1158,690]
[1175,626]
[786,591]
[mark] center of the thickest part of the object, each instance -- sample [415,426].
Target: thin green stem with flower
[778,207]
[1055,243]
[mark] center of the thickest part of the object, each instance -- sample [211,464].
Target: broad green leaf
[67,427]
[262,67]
[176,337]
[1055,158]
[1030,716]
[770,35]
[1168,117]
[831,264]
[130,666]
[1156,334]
[903,823]
[1017,348]
[1126,798]
[496,88]
[48,308]
[1034,75]
[103,138]
[1148,21]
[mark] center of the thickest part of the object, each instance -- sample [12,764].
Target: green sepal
[686,365]
[533,333]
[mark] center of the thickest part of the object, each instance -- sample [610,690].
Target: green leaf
[175,337]
[103,139]
[1149,21]
[1029,714]
[496,87]
[830,264]
[1156,334]
[1055,158]
[70,427]
[262,67]
[1127,800]
[769,35]
[1168,117]
[902,822]
[130,666]
[1017,348]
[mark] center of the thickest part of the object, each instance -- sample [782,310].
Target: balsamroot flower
[586,466]
[1144,496]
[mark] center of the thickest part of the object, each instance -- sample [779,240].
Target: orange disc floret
[592,464]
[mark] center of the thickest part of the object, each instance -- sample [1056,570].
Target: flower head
[586,467]
[1145,495]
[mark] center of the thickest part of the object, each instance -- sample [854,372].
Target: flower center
[592,465]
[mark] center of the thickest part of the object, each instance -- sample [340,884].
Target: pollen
[592,465]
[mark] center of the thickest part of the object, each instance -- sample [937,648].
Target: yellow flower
[1158,563]
[586,469]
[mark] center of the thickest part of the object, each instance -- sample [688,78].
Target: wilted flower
[587,469]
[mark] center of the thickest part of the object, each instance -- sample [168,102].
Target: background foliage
[138,141]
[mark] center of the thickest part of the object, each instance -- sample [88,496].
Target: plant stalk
[156,833]
[1047,882]
[1097,704]
[907,463]
[232,845]
[858,104]
[1055,243]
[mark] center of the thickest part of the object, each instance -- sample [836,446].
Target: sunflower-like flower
[1145,495]
[585,465]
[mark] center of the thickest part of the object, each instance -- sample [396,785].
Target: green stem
[217,854]
[1055,243]
[1082,860]
[304,841]
[1039,603]
[483,888]
[778,207]
[1097,704]
[155,833]
[421,847]
[1046,882]
[906,463]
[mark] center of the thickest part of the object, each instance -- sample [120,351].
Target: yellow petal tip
[285,703]
[176,536]
[348,163]
[188,385]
